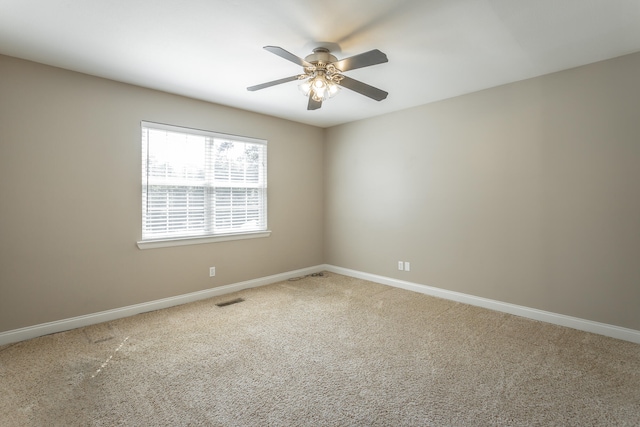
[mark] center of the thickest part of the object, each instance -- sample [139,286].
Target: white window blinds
[197,183]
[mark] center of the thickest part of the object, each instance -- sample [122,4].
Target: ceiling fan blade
[366,59]
[272,83]
[288,56]
[313,104]
[363,88]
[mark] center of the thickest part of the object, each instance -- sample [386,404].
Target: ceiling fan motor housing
[320,55]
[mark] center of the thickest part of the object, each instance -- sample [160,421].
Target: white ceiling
[212,49]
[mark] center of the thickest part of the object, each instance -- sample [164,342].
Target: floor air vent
[233,301]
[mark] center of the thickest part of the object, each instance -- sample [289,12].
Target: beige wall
[70,197]
[527,193]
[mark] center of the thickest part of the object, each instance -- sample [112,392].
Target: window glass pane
[175,156]
[196,183]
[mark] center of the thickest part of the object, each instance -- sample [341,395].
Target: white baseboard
[105,316]
[531,313]
[518,310]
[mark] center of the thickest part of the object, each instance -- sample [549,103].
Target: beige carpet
[322,351]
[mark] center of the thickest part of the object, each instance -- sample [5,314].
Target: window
[199,184]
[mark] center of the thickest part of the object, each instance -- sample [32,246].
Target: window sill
[163,243]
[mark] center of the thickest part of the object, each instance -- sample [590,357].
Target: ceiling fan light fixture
[319,87]
[305,87]
[333,89]
[319,84]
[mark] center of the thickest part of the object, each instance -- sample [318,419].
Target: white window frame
[154,240]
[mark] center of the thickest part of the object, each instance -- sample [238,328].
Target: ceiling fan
[323,78]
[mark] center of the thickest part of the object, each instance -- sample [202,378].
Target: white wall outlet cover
[400,265]
[212,271]
[407,266]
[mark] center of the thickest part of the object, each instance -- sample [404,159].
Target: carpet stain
[230,302]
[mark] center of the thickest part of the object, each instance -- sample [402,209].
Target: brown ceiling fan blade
[363,88]
[313,104]
[272,83]
[287,55]
[366,59]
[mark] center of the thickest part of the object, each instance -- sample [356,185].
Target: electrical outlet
[407,266]
[212,271]
[400,265]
